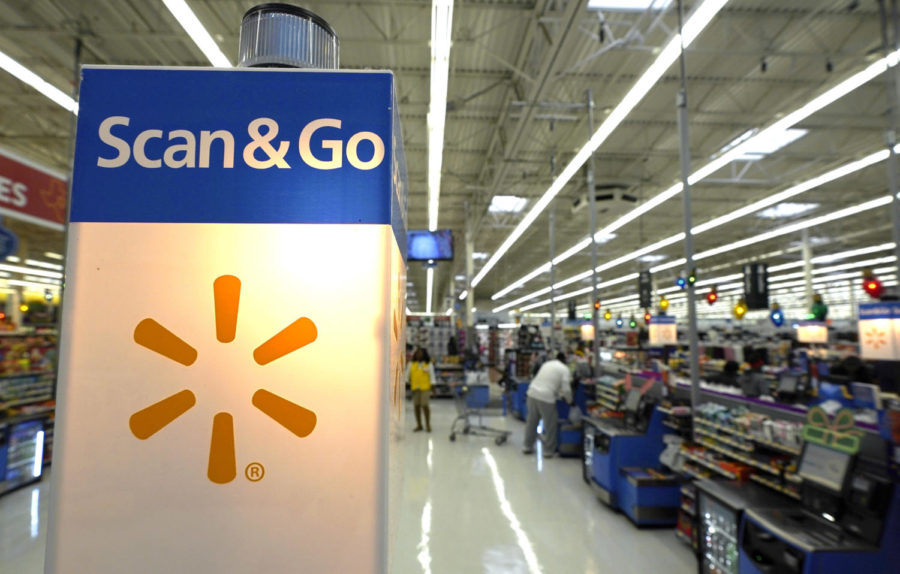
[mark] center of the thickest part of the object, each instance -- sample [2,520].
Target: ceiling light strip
[792,191]
[799,226]
[429,287]
[38,83]
[31,271]
[441,33]
[826,98]
[200,36]
[699,19]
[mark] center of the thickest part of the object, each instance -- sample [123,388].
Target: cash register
[614,444]
[848,520]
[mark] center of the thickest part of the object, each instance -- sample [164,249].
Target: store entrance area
[468,506]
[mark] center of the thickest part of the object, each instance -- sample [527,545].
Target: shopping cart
[473,405]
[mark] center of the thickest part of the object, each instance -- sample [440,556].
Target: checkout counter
[620,455]
[720,508]
[848,519]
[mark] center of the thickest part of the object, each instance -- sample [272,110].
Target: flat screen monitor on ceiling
[824,466]
[424,245]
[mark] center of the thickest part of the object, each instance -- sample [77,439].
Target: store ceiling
[519,71]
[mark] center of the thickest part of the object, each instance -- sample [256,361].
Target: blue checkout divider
[612,458]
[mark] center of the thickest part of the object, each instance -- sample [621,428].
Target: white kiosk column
[233,233]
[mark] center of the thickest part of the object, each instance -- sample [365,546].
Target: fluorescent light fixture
[463,295]
[507,204]
[799,226]
[459,277]
[482,327]
[652,258]
[441,34]
[39,287]
[697,21]
[479,255]
[786,209]
[44,264]
[474,309]
[50,255]
[776,198]
[429,285]
[852,253]
[515,285]
[515,302]
[826,98]
[191,24]
[38,83]
[764,143]
[507,326]
[38,465]
[30,270]
[628,5]
[793,228]
[13,258]
[449,311]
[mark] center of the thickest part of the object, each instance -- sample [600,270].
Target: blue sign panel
[237,146]
[882,310]
[9,243]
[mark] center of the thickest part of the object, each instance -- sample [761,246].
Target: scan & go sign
[231,369]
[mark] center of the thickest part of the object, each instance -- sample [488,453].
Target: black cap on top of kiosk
[283,35]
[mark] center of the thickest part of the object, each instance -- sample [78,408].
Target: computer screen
[788,383]
[632,400]
[824,466]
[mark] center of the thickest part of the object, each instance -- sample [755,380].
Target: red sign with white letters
[31,193]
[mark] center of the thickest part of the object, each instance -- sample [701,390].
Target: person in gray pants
[553,381]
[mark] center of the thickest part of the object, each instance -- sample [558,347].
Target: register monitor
[632,401]
[824,466]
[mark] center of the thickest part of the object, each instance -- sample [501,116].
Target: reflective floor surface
[470,506]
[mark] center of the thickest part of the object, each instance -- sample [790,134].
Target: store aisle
[469,506]
[472,506]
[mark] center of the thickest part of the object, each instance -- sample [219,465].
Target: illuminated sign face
[879,330]
[231,364]
[222,463]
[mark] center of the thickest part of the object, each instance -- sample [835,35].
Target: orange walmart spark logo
[875,338]
[222,467]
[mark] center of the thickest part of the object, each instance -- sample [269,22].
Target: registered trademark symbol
[255,472]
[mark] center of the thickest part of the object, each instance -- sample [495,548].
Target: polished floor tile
[472,506]
[469,506]
[23,529]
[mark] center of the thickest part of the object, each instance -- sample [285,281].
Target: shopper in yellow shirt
[420,374]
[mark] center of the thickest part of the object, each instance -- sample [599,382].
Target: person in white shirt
[553,381]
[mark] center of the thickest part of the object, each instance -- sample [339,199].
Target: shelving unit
[740,446]
[710,465]
[774,485]
[27,391]
[447,375]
